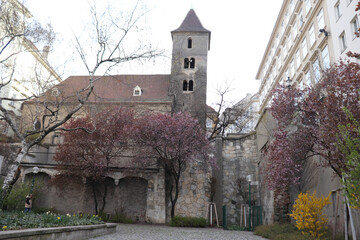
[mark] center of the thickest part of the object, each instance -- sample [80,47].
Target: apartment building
[248,108]
[25,71]
[308,37]
[344,22]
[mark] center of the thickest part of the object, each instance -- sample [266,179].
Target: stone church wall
[139,195]
[237,158]
[194,193]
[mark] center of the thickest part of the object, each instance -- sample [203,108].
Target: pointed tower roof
[191,23]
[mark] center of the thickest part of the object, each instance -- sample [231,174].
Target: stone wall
[194,193]
[237,158]
[139,195]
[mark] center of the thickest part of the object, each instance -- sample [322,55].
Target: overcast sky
[240,31]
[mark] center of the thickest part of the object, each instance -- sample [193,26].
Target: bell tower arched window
[192,63]
[185,85]
[189,43]
[186,63]
[191,85]
[188,86]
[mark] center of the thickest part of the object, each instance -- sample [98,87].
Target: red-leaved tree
[175,142]
[90,156]
[308,123]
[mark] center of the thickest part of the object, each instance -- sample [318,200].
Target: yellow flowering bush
[307,212]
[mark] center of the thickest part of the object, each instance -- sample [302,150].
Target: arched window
[185,85]
[189,43]
[137,91]
[191,85]
[55,92]
[186,63]
[192,63]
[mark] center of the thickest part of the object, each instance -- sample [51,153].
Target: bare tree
[230,115]
[53,109]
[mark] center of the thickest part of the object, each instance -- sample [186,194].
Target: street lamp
[248,178]
[35,171]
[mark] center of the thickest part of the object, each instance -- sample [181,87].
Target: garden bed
[19,220]
[61,233]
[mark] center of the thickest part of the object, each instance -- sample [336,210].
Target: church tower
[191,42]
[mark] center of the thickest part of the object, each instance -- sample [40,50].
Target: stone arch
[43,187]
[29,171]
[130,198]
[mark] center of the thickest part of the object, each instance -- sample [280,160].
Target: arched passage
[42,186]
[130,198]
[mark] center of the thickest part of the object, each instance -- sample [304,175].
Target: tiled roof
[119,88]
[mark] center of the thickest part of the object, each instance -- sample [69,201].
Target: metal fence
[248,219]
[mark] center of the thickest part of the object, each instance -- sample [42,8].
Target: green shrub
[180,221]
[15,200]
[120,218]
[44,210]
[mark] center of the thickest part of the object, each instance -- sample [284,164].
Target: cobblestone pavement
[154,232]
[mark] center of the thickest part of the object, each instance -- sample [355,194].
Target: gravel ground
[155,232]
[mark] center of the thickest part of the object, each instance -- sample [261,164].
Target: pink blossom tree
[175,142]
[90,156]
[308,123]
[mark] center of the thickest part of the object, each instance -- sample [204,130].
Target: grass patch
[237,228]
[180,221]
[280,232]
[287,231]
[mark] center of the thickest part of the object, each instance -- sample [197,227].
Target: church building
[140,195]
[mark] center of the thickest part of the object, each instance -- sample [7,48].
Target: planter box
[60,233]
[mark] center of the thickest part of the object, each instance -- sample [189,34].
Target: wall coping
[238,136]
[36,233]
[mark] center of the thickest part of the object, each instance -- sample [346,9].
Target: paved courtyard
[154,232]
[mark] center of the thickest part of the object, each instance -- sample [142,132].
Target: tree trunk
[94,195]
[104,197]
[9,179]
[175,198]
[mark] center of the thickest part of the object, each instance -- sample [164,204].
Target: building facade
[308,37]
[25,71]
[139,194]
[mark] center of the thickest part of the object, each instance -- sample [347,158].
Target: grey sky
[239,29]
